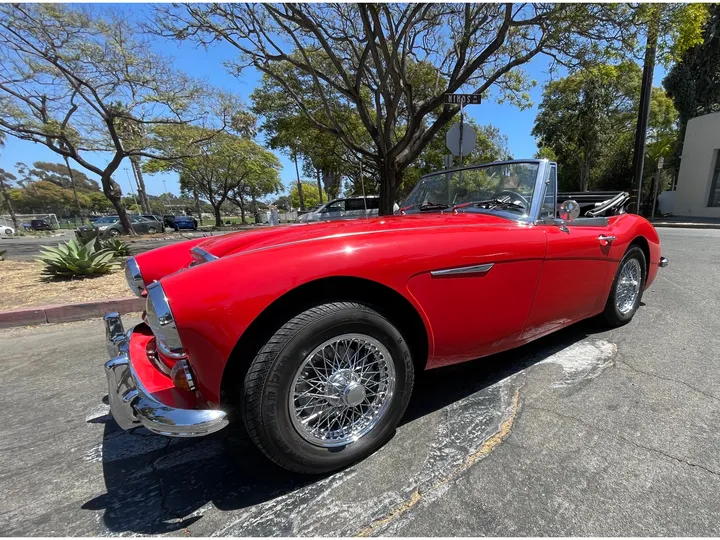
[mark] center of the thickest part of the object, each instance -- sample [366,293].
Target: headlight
[160,319]
[102,227]
[134,277]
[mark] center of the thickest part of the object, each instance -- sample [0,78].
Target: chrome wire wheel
[342,390]
[628,286]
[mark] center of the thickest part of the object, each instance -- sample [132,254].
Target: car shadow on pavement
[158,485]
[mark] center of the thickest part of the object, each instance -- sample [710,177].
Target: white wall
[702,141]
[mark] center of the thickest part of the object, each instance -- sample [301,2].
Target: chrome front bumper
[132,406]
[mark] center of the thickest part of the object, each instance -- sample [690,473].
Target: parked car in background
[347,208]
[160,220]
[185,222]
[110,226]
[40,225]
[312,335]
[6,230]
[169,220]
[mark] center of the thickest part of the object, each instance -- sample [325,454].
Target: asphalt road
[27,248]
[586,432]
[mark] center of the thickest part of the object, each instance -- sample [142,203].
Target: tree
[694,81]
[226,166]
[378,60]
[74,82]
[587,121]
[5,182]
[283,203]
[312,198]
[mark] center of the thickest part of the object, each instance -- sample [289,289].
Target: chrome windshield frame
[541,180]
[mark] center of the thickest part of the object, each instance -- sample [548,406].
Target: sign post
[453,144]
[661,162]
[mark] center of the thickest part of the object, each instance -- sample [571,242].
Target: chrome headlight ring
[159,317]
[133,276]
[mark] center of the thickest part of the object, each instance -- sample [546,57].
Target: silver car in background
[345,208]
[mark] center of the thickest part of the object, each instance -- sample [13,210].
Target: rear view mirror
[569,210]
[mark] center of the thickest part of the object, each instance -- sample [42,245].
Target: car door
[139,224]
[575,271]
[334,210]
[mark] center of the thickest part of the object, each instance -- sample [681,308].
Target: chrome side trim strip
[463,270]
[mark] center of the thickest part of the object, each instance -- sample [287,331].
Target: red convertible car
[313,333]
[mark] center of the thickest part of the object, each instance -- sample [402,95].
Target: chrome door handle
[604,240]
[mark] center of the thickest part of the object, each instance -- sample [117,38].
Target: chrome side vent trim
[463,270]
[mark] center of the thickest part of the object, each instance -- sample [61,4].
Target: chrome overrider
[132,406]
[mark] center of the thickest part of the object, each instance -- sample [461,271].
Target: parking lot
[585,432]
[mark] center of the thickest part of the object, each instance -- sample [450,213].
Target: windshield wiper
[428,205]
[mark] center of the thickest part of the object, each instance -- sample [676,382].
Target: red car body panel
[541,280]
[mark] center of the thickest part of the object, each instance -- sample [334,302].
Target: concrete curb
[687,225]
[69,312]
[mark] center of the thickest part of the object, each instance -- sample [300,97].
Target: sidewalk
[687,222]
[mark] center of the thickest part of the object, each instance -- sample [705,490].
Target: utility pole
[132,192]
[645,94]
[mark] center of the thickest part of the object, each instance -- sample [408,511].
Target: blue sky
[207,65]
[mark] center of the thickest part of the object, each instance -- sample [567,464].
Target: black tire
[114,233]
[612,314]
[266,389]
[152,230]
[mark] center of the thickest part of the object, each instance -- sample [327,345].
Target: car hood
[268,237]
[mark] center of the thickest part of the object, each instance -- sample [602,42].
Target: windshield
[504,186]
[107,220]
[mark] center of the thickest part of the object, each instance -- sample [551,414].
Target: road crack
[625,439]
[417,494]
[669,379]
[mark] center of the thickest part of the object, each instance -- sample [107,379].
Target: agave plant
[75,258]
[117,247]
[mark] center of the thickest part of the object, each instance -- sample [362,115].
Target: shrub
[74,258]
[117,247]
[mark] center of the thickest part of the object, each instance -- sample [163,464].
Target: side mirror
[569,210]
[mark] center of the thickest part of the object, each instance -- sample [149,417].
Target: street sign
[661,162]
[469,139]
[462,99]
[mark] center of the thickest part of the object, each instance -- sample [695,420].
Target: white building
[698,185]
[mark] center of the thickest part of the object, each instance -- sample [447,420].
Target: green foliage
[694,82]
[373,76]
[74,258]
[311,197]
[117,247]
[587,120]
[227,167]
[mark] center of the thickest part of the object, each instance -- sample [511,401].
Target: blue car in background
[185,222]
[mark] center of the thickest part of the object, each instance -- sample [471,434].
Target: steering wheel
[514,197]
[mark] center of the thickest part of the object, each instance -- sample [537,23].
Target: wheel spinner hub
[341,390]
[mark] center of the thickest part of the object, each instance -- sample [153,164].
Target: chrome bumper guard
[131,405]
[663,262]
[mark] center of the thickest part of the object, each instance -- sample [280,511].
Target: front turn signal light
[182,376]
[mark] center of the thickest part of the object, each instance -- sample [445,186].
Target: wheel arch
[643,244]
[382,298]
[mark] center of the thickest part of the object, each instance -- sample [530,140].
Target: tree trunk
[390,178]
[74,190]
[218,218]
[242,209]
[112,191]
[144,202]
[197,204]
[6,196]
[319,185]
[256,212]
[300,193]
